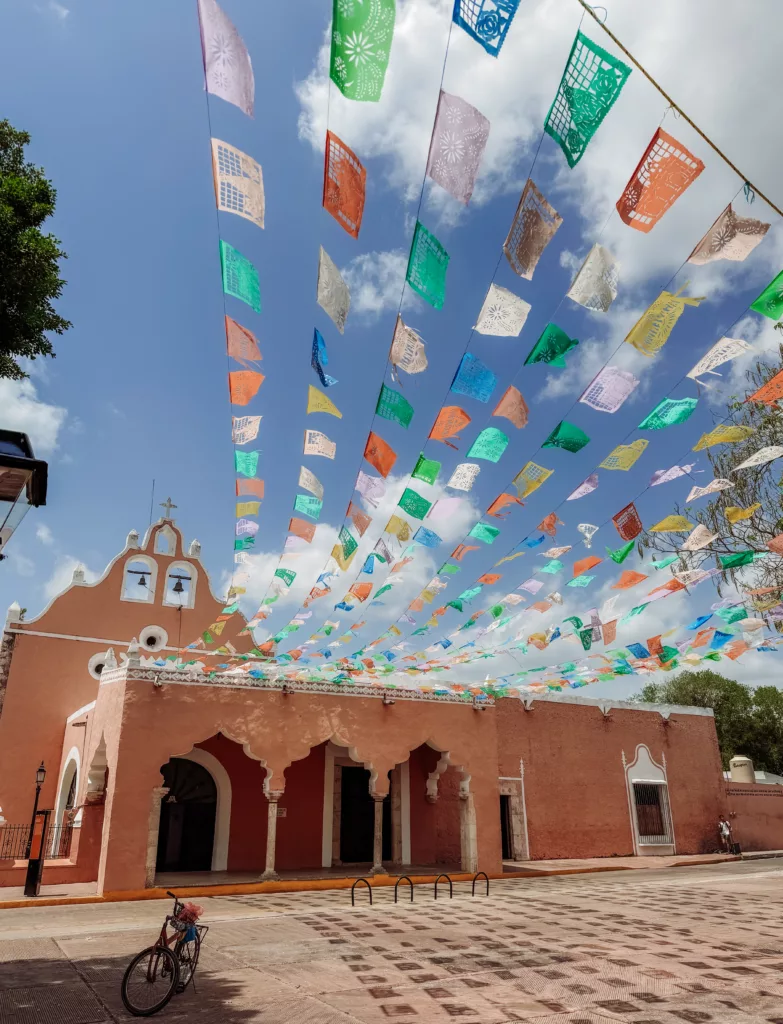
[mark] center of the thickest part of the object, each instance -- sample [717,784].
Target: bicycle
[168,966]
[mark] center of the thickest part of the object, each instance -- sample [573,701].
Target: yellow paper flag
[217,628]
[736,515]
[672,524]
[248,508]
[530,478]
[509,558]
[337,555]
[398,528]
[317,401]
[624,455]
[722,435]
[651,331]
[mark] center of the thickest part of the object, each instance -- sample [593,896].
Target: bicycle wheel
[150,981]
[188,959]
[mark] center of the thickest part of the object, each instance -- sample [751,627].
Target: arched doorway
[187,817]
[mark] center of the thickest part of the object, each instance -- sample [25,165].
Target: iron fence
[56,842]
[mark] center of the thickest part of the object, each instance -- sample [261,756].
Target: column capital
[273,795]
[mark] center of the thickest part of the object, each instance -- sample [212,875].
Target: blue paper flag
[638,650]
[474,379]
[428,538]
[487,21]
[698,623]
[534,543]
[719,639]
[320,359]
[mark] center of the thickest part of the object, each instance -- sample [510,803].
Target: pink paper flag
[371,488]
[458,140]
[227,68]
[443,508]
[609,389]
[586,487]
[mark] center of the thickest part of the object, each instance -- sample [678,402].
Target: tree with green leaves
[29,260]
[748,720]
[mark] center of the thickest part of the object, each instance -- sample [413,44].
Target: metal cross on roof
[168,504]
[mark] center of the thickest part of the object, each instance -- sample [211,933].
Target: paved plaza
[655,947]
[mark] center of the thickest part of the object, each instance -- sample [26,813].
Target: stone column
[377,839]
[270,874]
[152,835]
[467,827]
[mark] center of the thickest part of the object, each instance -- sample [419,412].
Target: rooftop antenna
[152,499]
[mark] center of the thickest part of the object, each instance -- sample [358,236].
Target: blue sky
[116,108]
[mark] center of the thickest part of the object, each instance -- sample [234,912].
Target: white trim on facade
[81,711]
[75,758]
[223,808]
[644,770]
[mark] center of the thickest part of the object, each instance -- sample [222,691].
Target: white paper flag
[244,429]
[311,483]
[464,476]
[531,586]
[762,456]
[316,443]
[699,538]
[609,389]
[332,293]
[556,552]
[458,140]
[595,286]
[588,531]
[227,67]
[503,313]
[665,476]
[246,527]
[586,487]
[371,488]
[239,183]
[712,488]
[722,351]
[407,351]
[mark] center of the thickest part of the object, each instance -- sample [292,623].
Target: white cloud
[22,565]
[63,574]
[44,534]
[58,10]
[376,280]
[23,410]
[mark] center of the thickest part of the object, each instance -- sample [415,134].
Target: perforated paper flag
[343,562]
[413,503]
[627,522]
[761,457]
[567,436]
[240,277]
[552,567]
[319,359]
[458,139]
[428,538]
[247,508]
[427,266]
[426,470]
[669,412]
[310,482]
[371,488]
[255,487]
[286,575]
[345,182]
[503,313]
[246,463]
[586,487]
[722,351]
[738,515]
[502,502]
[246,527]
[530,478]
[394,406]
[316,443]
[332,293]
[608,391]
[362,32]
[532,229]
[359,518]
[407,351]
[487,21]
[629,579]
[308,506]
[227,68]
[730,238]
[244,429]
[379,454]
[583,565]
[241,344]
[347,541]
[484,533]
[489,445]
[700,538]
[551,347]
[624,455]
[712,488]
[513,407]
[243,385]
[722,435]
[651,331]
[663,174]
[769,393]
[580,581]
[302,529]
[317,401]
[595,286]
[444,508]
[588,531]
[591,83]
[463,477]
[672,524]
[239,185]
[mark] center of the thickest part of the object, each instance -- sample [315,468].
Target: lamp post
[32,883]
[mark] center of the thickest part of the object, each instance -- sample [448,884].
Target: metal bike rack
[479,874]
[369,889]
[403,878]
[451,887]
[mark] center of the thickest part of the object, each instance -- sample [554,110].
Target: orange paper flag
[302,529]
[628,579]
[513,407]
[500,502]
[585,563]
[359,518]
[344,185]
[243,385]
[451,419]
[489,578]
[241,344]
[462,549]
[703,637]
[549,525]
[769,393]
[250,486]
[361,591]
[609,631]
[379,454]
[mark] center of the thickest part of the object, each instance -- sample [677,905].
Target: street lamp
[23,481]
[32,883]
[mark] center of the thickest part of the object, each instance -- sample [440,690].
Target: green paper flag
[382,590]
[667,654]
[770,302]
[591,83]
[414,504]
[496,611]
[286,575]
[622,553]
[448,569]
[668,413]
[664,562]
[736,613]
[551,347]
[240,277]
[566,435]
[394,406]
[736,560]
[575,621]
[552,567]
[580,581]
[468,595]
[427,267]
[361,43]
[484,533]
[489,445]
[246,463]
[633,613]
[586,636]
[308,506]
[349,544]
[243,543]
[426,470]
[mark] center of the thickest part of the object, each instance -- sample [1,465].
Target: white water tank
[741,769]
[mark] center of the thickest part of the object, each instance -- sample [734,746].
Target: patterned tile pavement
[675,946]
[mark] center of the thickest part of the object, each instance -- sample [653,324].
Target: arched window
[181,580]
[139,579]
[165,541]
[69,786]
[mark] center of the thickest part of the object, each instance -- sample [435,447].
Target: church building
[159,774]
